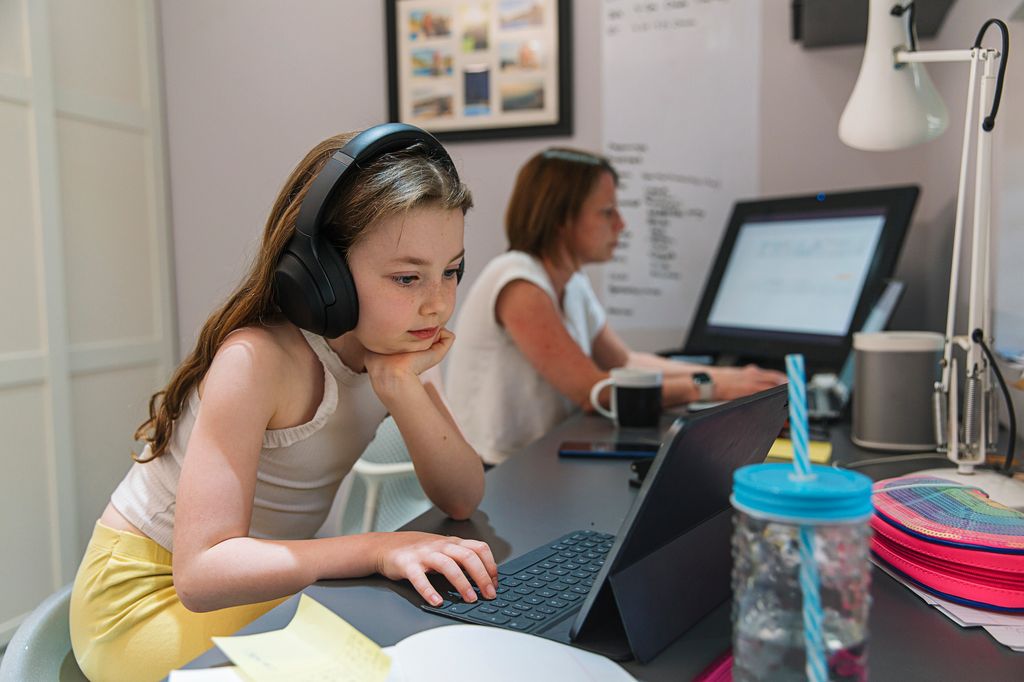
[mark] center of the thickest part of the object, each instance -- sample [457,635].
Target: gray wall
[251,86]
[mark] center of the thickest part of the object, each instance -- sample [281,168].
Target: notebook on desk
[633,593]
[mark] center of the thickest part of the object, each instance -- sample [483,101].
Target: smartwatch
[705,386]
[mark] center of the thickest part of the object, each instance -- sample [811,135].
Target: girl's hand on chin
[388,371]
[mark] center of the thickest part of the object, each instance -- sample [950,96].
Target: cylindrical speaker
[894,380]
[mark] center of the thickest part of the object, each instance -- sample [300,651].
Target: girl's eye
[451,273]
[404,280]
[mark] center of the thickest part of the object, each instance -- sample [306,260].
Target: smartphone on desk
[613,449]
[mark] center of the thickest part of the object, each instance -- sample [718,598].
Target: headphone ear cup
[461,271]
[344,314]
[297,294]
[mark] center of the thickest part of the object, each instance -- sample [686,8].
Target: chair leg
[372,498]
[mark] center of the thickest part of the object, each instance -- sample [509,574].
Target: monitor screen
[800,274]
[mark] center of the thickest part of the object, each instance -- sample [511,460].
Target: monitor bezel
[822,352]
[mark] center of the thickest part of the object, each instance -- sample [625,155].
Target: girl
[246,446]
[532,334]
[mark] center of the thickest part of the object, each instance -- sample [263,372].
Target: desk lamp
[895,105]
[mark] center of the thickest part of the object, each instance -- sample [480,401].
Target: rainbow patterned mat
[942,512]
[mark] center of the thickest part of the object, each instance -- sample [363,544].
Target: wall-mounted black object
[827,23]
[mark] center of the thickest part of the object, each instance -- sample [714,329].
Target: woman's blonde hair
[548,195]
[392,183]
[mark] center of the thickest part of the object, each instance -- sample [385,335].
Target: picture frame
[481,69]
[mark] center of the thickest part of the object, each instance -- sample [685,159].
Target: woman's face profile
[595,232]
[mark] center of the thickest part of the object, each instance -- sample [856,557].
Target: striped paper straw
[798,414]
[810,582]
[810,585]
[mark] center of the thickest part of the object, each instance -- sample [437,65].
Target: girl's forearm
[247,570]
[448,468]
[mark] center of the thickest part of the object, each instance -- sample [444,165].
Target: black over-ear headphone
[313,285]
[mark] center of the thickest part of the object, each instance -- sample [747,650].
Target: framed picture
[476,69]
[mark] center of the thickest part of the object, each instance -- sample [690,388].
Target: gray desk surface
[536,496]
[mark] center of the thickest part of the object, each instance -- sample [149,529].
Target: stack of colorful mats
[951,540]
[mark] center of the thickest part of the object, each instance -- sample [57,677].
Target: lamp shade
[892,106]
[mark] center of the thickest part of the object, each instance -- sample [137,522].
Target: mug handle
[595,391]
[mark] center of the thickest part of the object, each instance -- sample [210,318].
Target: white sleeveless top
[498,397]
[299,468]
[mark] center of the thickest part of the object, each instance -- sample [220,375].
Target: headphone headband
[364,147]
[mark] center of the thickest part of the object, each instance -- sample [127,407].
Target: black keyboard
[539,588]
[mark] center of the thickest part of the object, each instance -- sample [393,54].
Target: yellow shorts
[127,622]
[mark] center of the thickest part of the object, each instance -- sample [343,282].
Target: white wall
[250,87]
[250,90]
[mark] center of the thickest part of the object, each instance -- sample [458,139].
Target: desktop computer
[801,274]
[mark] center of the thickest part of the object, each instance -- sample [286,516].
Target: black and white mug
[635,396]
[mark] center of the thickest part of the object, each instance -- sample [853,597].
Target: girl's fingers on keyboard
[418,578]
[446,566]
[473,565]
[483,550]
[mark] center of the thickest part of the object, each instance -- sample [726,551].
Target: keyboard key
[559,571]
[569,579]
[546,609]
[558,559]
[535,570]
[558,586]
[510,582]
[511,596]
[523,590]
[524,576]
[579,589]
[511,613]
[546,565]
[487,609]
[495,618]
[546,593]
[499,603]
[518,624]
[460,608]
[556,603]
[524,607]
[533,600]
[576,574]
[571,566]
[537,584]
[536,616]
[565,596]
[558,547]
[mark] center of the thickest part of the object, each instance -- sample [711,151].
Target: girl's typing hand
[411,555]
[387,372]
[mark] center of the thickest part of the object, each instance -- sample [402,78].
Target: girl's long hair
[392,183]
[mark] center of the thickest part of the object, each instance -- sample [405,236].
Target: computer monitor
[800,275]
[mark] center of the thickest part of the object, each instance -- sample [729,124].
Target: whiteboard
[681,126]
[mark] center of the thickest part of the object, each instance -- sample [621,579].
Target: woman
[533,338]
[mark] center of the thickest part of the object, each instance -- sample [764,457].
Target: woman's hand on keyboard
[411,555]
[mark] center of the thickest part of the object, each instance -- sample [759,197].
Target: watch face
[702,378]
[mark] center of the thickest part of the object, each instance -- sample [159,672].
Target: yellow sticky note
[820,451]
[316,646]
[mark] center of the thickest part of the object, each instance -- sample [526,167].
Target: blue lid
[832,495]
